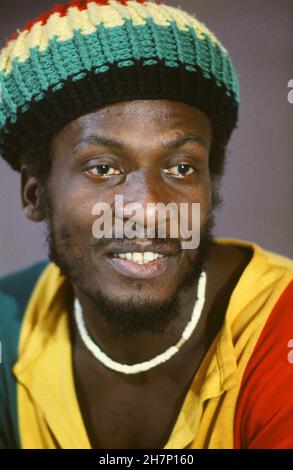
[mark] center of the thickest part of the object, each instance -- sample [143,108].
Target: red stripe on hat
[62,10]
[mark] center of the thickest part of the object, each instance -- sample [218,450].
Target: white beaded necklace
[161,358]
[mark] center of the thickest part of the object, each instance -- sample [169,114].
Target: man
[134,342]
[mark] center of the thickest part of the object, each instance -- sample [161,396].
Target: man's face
[148,151]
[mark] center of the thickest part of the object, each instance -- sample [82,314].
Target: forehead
[138,121]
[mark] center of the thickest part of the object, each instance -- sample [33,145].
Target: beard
[136,315]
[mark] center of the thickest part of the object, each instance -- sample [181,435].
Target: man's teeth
[139,258]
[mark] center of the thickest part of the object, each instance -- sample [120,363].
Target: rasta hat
[90,53]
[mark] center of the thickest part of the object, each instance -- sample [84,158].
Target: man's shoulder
[16,289]
[15,292]
[264,256]
[276,259]
[266,279]
[261,321]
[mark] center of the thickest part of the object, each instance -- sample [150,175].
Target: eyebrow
[173,144]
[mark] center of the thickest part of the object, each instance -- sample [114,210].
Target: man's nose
[143,191]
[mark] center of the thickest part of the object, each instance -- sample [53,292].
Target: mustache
[156,243]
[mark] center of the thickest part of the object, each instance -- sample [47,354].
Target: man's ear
[31,192]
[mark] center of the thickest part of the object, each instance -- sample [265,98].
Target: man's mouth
[139,258]
[136,265]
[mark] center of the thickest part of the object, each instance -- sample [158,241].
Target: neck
[140,347]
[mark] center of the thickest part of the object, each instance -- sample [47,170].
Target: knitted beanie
[89,53]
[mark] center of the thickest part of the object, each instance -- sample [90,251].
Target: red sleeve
[264,412]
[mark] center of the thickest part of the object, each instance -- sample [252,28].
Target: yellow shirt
[48,411]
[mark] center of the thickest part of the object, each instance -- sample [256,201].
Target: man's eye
[102,170]
[181,170]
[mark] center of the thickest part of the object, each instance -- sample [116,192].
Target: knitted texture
[90,53]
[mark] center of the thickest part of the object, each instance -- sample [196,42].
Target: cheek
[205,197]
[71,207]
[201,195]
